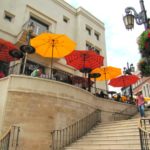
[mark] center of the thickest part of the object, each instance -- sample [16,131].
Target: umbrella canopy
[84,60]
[124,80]
[146,99]
[52,45]
[107,73]
[5,48]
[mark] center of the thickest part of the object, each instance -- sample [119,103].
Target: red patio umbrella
[5,48]
[123,80]
[84,60]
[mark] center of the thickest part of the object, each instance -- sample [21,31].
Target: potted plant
[144,43]
[144,66]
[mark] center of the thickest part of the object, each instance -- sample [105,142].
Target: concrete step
[121,127]
[121,130]
[113,134]
[117,135]
[118,124]
[105,147]
[110,138]
[106,141]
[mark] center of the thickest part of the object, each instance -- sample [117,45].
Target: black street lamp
[128,70]
[140,18]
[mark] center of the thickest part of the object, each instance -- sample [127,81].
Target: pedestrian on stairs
[140,103]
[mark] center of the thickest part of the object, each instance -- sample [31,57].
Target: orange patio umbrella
[107,73]
[53,45]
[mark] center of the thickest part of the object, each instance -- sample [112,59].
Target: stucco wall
[38,106]
[3,98]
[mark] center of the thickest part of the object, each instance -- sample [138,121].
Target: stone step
[96,131]
[117,135]
[106,141]
[105,147]
[116,125]
[113,134]
[131,137]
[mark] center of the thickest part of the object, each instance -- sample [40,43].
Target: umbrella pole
[89,83]
[24,63]
[52,60]
[105,81]
[95,85]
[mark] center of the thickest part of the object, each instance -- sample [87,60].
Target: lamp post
[27,48]
[128,70]
[140,18]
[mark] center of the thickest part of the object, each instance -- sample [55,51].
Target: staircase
[118,135]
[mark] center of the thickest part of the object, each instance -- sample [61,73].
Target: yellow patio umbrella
[146,99]
[107,73]
[53,45]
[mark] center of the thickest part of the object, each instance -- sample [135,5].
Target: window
[8,16]
[66,19]
[97,35]
[97,50]
[89,46]
[39,25]
[88,29]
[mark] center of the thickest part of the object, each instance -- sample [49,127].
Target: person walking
[140,103]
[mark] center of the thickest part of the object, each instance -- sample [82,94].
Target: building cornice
[85,13]
[66,6]
[79,11]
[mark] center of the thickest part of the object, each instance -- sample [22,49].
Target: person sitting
[102,94]
[118,97]
[36,73]
[2,75]
[124,98]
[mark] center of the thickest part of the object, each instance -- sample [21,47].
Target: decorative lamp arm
[140,18]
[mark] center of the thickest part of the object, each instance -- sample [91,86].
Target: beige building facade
[54,16]
[39,106]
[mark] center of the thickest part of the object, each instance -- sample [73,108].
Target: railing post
[144,134]
[64,137]
[98,114]
[140,133]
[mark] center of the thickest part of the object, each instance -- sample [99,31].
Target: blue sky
[121,44]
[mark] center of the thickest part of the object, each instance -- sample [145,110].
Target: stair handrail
[144,133]
[5,140]
[68,135]
[122,112]
[10,138]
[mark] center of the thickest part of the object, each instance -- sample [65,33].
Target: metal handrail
[144,126]
[10,138]
[68,135]
[124,113]
[5,140]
